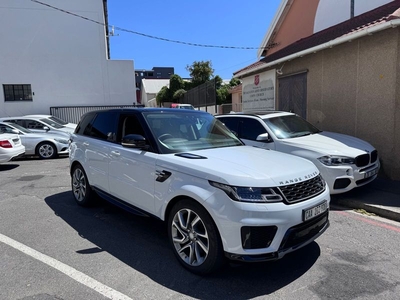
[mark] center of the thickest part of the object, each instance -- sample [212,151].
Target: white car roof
[261,114]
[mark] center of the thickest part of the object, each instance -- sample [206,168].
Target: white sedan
[10,147]
[44,145]
[344,161]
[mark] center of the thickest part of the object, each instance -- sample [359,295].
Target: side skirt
[122,204]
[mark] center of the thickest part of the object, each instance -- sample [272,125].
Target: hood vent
[190,156]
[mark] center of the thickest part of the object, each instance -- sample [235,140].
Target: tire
[83,193]
[194,238]
[46,150]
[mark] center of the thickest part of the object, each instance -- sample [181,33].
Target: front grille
[303,190]
[362,160]
[374,156]
[304,232]
[365,159]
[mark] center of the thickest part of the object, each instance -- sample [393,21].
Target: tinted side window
[250,129]
[83,123]
[104,126]
[31,124]
[231,123]
[19,122]
[5,129]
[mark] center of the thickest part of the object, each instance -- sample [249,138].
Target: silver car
[43,145]
[37,124]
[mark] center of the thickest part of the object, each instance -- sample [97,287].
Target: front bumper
[295,238]
[285,228]
[341,179]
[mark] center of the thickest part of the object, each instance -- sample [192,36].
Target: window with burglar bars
[17,92]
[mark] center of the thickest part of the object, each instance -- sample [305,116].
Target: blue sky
[219,22]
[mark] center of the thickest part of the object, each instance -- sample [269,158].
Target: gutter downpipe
[340,40]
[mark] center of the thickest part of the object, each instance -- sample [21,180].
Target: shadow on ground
[141,243]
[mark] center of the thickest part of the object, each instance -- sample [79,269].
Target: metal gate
[293,94]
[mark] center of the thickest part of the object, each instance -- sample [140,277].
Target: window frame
[13,92]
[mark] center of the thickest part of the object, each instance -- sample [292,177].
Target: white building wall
[63,57]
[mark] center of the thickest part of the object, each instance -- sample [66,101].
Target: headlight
[335,160]
[249,194]
[62,141]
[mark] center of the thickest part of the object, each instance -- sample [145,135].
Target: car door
[250,129]
[132,171]
[97,137]
[35,126]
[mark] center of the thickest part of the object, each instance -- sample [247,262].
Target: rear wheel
[46,150]
[194,238]
[81,189]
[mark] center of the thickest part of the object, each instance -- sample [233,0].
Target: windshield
[58,120]
[188,130]
[52,123]
[290,126]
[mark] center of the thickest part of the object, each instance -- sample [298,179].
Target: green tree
[200,72]
[175,84]
[223,95]
[223,90]
[234,82]
[163,95]
[218,82]
[178,94]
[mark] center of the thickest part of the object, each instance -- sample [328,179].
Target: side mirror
[46,128]
[134,141]
[264,137]
[15,131]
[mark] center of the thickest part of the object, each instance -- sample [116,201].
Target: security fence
[201,96]
[72,114]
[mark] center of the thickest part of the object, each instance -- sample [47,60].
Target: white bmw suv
[345,162]
[220,198]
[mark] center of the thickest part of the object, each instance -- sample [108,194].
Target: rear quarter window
[103,126]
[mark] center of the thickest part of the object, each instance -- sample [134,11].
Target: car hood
[329,143]
[242,166]
[66,129]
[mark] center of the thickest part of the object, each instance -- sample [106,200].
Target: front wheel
[194,238]
[46,150]
[81,189]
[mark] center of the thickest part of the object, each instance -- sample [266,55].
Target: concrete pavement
[381,197]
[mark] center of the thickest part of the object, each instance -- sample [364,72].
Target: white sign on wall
[258,92]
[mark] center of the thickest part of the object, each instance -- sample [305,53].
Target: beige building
[343,78]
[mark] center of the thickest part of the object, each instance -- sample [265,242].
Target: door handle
[85,144]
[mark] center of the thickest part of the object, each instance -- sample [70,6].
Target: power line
[148,35]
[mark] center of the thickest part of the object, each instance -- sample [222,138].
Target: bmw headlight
[249,194]
[61,141]
[336,160]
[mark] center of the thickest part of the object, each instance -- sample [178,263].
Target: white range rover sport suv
[220,198]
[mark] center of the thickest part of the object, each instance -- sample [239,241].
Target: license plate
[315,211]
[371,173]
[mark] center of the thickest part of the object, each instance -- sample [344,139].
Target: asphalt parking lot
[50,248]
